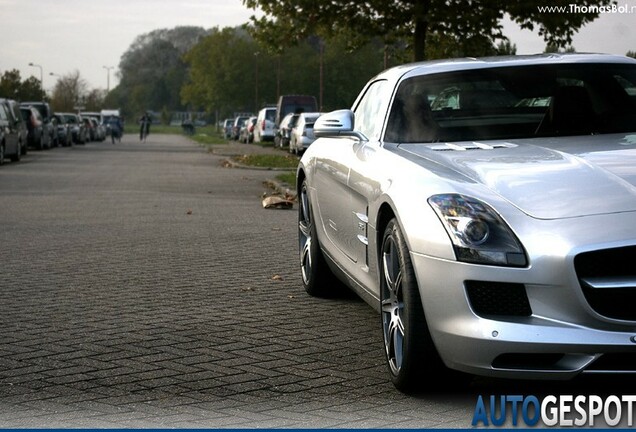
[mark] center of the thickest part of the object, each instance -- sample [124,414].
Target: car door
[10,130]
[343,199]
[365,169]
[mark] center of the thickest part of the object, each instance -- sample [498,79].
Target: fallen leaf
[189,212]
[277,202]
[277,277]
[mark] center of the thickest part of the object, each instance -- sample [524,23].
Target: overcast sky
[89,35]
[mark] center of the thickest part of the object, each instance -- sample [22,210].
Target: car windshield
[515,102]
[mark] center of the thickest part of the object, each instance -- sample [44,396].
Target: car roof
[467,63]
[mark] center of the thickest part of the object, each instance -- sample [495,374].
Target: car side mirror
[337,124]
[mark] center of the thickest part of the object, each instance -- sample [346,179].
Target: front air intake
[498,299]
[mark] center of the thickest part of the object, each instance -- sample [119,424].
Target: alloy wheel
[392,305]
[305,235]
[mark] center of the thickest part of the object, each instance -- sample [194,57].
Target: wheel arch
[300,178]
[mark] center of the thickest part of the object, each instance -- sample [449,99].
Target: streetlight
[56,75]
[256,54]
[41,75]
[108,68]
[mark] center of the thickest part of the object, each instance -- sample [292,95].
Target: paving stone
[138,291]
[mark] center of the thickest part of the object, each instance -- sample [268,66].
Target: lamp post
[41,75]
[55,75]
[62,94]
[256,54]
[108,68]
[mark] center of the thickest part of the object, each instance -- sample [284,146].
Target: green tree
[506,48]
[152,70]
[31,90]
[631,54]
[12,86]
[475,24]
[552,48]
[231,72]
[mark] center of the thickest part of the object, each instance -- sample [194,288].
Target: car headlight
[477,232]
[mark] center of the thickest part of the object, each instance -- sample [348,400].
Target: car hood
[547,178]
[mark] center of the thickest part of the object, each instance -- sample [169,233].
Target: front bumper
[562,332]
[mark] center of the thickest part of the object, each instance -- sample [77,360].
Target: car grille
[497,298]
[608,281]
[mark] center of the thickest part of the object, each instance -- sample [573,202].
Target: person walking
[116,129]
[144,127]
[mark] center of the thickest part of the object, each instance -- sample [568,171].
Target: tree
[12,86]
[474,24]
[11,83]
[70,91]
[552,48]
[152,70]
[506,48]
[225,75]
[227,72]
[631,54]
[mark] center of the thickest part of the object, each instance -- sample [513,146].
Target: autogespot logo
[557,411]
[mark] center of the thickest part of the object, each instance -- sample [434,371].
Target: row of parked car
[34,125]
[289,124]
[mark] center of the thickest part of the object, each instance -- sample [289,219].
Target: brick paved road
[143,285]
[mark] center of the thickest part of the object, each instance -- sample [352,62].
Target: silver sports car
[487,209]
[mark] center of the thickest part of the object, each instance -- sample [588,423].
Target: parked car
[13,110]
[37,137]
[265,129]
[492,241]
[283,133]
[294,104]
[99,128]
[239,121]
[49,135]
[91,127]
[302,135]
[64,135]
[246,134]
[227,128]
[10,134]
[79,133]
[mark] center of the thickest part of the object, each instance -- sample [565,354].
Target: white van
[107,115]
[265,130]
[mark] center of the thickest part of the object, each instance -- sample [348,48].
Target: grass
[209,135]
[287,178]
[268,161]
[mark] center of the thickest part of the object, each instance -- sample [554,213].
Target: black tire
[2,154]
[410,353]
[317,278]
[18,154]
